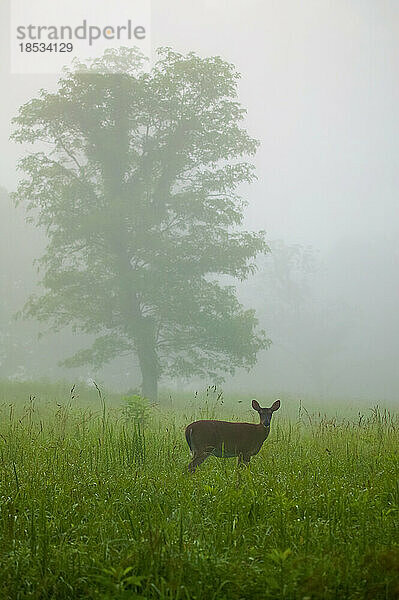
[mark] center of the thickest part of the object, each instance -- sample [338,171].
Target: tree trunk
[149,386]
[148,361]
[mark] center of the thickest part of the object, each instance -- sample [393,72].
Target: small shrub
[136,410]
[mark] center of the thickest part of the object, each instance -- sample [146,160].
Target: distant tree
[281,286]
[309,324]
[137,192]
[15,279]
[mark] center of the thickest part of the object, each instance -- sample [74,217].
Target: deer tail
[189,433]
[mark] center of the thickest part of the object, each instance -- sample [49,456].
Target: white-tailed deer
[225,439]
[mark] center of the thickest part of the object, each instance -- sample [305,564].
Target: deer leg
[243,460]
[197,460]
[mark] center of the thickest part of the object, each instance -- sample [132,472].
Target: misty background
[319,81]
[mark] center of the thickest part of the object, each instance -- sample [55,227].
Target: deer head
[265,414]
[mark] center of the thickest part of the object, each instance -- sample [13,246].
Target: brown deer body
[225,439]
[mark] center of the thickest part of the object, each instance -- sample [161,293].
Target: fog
[319,81]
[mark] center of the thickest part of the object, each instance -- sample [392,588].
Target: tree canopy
[135,181]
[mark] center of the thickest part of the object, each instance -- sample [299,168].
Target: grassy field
[96,502]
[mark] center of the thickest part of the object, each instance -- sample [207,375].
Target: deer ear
[275,405]
[255,405]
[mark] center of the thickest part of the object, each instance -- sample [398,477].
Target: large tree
[135,183]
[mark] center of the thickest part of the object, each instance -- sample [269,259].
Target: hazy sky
[320,81]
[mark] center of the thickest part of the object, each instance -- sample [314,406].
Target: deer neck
[264,430]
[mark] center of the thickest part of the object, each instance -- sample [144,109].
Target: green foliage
[88,511]
[137,410]
[138,196]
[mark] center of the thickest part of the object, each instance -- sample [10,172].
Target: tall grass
[94,505]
